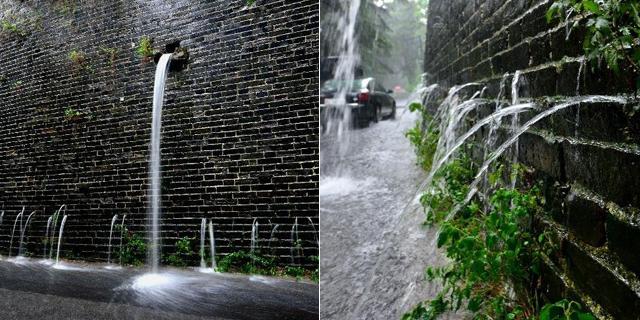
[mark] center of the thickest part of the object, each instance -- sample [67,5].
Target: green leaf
[591,6]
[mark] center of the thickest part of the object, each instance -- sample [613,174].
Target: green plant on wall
[183,250]
[78,58]
[71,114]
[251,2]
[12,28]
[612,29]
[111,54]
[145,48]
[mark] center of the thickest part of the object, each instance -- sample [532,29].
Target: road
[374,248]
[31,289]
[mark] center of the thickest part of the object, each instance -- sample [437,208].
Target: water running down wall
[588,156]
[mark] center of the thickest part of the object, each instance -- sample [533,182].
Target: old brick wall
[240,124]
[587,155]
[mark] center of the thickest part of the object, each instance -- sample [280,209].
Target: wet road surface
[30,289]
[374,248]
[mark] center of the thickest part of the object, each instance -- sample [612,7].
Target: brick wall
[240,124]
[588,155]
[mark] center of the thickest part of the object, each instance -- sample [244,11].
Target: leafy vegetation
[111,54]
[134,248]
[495,257]
[183,250]
[12,28]
[425,141]
[613,29]
[251,2]
[145,47]
[564,310]
[77,57]
[254,263]
[244,262]
[71,114]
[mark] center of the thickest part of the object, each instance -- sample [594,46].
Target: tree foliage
[612,29]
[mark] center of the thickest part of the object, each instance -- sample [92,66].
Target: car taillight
[363,97]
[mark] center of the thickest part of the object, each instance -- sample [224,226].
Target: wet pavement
[31,289]
[374,247]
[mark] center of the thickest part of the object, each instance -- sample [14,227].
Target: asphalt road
[30,289]
[374,248]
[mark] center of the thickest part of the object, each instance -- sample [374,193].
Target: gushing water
[514,137]
[64,219]
[203,227]
[315,232]
[273,232]
[113,221]
[338,124]
[121,236]
[294,241]
[53,232]
[46,236]
[254,235]
[154,162]
[23,231]
[15,223]
[515,121]
[212,244]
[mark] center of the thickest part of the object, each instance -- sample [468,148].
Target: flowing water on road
[374,249]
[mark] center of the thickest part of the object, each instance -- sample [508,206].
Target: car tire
[376,114]
[393,112]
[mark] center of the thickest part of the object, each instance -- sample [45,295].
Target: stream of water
[154,161]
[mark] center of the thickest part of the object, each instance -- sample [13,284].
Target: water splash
[154,161]
[113,221]
[64,220]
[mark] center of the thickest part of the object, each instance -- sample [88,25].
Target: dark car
[367,99]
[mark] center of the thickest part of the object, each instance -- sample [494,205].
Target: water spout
[121,234]
[64,219]
[273,231]
[46,236]
[203,226]
[55,224]
[19,216]
[254,235]
[294,241]
[212,244]
[113,220]
[154,163]
[22,232]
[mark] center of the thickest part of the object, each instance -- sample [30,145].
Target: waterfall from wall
[154,161]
